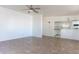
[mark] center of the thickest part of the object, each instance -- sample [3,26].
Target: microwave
[76,26]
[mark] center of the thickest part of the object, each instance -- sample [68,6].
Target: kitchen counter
[70,34]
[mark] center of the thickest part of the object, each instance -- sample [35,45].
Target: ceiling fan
[31,8]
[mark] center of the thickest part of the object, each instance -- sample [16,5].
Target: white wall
[14,24]
[48,28]
[37,25]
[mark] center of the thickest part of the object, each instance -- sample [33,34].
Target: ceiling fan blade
[35,11]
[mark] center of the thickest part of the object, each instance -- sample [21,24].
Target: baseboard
[13,38]
[60,38]
[20,38]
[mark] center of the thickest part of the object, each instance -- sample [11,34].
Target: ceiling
[50,10]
